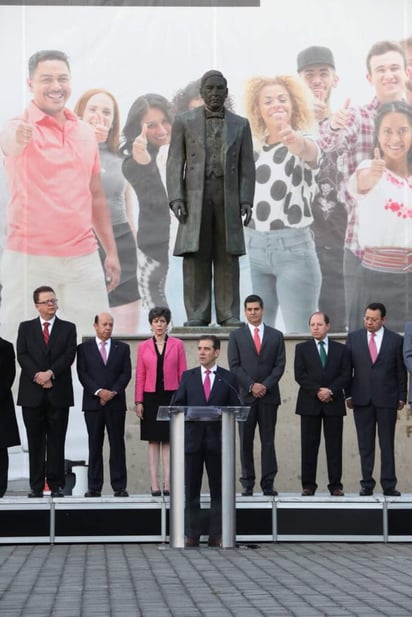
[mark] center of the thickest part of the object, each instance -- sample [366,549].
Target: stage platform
[138,518]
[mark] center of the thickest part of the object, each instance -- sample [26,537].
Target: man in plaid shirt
[349,131]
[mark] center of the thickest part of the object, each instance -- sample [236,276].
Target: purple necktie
[206,384]
[373,350]
[103,351]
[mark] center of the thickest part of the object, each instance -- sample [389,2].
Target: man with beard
[316,66]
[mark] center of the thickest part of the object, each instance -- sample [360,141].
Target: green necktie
[322,353]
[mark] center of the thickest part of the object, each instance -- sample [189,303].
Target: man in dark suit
[256,355]
[104,370]
[9,431]
[206,385]
[211,183]
[407,352]
[46,348]
[376,393]
[322,370]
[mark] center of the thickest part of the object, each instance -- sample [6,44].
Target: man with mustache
[316,66]
[211,181]
[56,202]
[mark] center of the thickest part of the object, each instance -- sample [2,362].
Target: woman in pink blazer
[161,361]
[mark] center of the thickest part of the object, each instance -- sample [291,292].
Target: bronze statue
[210,182]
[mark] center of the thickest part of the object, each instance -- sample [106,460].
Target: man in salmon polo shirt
[56,204]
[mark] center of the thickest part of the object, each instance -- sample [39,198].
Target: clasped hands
[105,396]
[179,209]
[324,395]
[44,379]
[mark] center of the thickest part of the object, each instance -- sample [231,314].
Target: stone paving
[149,580]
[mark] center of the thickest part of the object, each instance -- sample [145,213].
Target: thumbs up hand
[17,135]
[139,151]
[101,126]
[341,117]
[24,130]
[368,177]
[378,165]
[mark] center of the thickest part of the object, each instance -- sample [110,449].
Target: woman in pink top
[161,361]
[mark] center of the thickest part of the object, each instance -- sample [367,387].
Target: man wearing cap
[211,183]
[316,66]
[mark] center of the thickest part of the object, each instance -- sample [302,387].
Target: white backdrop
[131,51]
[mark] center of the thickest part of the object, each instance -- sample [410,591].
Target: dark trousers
[264,415]
[4,470]
[46,428]
[113,421]
[212,259]
[207,453]
[310,439]
[366,419]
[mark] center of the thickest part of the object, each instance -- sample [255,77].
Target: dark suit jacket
[384,383]
[34,356]
[310,375]
[267,367]
[9,432]
[94,374]
[186,166]
[190,392]
[407,350]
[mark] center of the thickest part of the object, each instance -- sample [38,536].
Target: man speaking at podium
[207,385]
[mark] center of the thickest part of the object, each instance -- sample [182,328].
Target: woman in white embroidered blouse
[383,189]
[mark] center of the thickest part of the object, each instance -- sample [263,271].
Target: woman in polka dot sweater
[284,266]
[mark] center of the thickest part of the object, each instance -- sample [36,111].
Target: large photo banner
[312,78]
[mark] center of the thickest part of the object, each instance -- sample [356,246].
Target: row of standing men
[369,371]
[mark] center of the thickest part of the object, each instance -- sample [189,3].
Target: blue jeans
[285,272]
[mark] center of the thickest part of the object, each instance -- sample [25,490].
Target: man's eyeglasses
[52,302]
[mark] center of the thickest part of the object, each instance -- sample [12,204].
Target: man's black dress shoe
[195,323]
[337,492]
[215,542]
[308,492]
[391,492]
[191,542]
[232,322]
[248,492]
[58,492]
[366,492]
[35,494]
[122,493]
[92,493]
[270,492]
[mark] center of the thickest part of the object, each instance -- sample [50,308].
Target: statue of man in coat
[211,181]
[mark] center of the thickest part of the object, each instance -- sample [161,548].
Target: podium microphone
[229,385]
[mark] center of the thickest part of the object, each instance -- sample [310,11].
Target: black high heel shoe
[166,493]
[155,493]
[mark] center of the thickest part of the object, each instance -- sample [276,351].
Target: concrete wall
[287,435]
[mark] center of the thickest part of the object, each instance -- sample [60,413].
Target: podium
[178,415]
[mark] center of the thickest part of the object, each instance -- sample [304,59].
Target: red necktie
[256,339]
[373,350]
[206,384]
[103,351]
[46,333]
